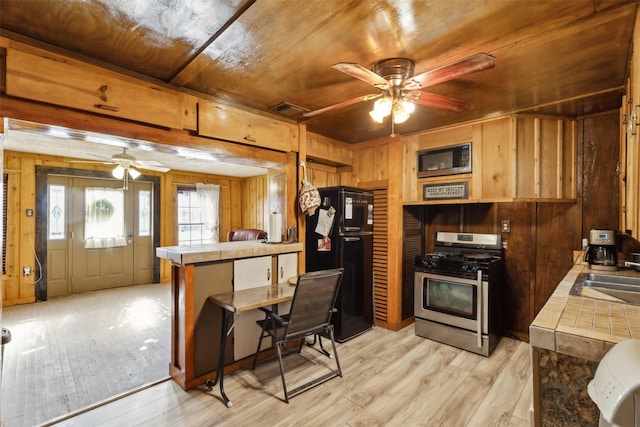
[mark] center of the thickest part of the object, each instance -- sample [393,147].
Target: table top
[249,299]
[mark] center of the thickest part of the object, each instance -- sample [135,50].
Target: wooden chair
[312,305]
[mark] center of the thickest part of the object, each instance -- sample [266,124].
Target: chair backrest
[313,301]
[246,234]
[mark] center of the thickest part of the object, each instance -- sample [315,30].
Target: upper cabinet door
[231,124]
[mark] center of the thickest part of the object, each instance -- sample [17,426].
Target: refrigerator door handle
[351,239]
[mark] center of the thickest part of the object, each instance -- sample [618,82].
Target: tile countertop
[581,326]
[224,251]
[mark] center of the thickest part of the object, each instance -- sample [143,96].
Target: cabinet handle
[268,274]
[107,107]
[249,138]
[281,272]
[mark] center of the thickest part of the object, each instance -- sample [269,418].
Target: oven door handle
[479,317]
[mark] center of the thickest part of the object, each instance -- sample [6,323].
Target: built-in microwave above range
[451,160]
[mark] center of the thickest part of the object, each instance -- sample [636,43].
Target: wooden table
[236,302]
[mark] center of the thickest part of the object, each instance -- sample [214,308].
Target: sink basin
[608,286]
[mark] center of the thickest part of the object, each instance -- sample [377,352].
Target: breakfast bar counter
[199,271]
[568,338]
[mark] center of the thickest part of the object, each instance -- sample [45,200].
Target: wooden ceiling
[563,57]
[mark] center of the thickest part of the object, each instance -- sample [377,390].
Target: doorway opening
[95,268]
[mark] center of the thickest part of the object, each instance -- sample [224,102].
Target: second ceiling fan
[399,89]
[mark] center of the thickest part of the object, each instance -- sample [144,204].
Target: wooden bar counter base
[198,272]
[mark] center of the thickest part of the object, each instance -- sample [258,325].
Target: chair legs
[328,333]
[284,383]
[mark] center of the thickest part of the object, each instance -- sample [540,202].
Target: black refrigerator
[340,234]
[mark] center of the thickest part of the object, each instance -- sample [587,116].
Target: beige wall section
[21,195]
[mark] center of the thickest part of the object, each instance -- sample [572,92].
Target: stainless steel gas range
[458,289]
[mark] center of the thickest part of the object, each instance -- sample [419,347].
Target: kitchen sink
[608,286]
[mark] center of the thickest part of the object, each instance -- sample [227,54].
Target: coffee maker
[602,252]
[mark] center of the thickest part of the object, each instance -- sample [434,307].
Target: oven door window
[448,297]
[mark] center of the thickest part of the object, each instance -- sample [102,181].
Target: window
[144,213]
[198,216]
[57,212]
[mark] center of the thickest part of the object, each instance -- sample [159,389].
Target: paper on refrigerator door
[325,221]
[348,208]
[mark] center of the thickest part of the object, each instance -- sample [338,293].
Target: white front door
[85,260]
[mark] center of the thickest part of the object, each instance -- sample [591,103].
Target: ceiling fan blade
[152,167]
[359,72]
[473,64]
[95,162]
[434,100]
[342,104]
[143,163]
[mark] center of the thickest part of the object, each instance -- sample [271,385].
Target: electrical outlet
[26,271]
[505,225]
[29,212]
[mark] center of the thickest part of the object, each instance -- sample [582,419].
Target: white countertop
[224,251]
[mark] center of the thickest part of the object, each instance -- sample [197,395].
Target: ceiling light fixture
[123,172]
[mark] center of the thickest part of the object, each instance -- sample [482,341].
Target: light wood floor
[70,352]
[390,379]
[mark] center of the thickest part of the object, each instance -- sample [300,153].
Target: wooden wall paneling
[11,280]
[600,189]
[410,191]
[394,234]
[235,208]
[27,227]
[255,198]
[321,175]
[479,218]
[520,260]
[557,229]
[440,218]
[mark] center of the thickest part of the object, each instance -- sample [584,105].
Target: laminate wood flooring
[71,352]
[389,379]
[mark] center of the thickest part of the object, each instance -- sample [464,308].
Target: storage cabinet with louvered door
[412,246]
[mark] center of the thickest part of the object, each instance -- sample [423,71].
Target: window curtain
[209,197]
[104,218]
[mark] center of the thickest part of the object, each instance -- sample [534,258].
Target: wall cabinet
[62,81]
[521,157]
[232,124]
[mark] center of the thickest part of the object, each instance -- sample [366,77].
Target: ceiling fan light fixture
[118,172]
[133,173]
[400,114]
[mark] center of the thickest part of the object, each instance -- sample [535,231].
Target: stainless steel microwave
[451,160]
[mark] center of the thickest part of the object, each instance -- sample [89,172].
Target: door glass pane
[104,217]
[144,213]
[57,212]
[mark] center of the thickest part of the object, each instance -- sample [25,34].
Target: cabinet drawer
[230,124]
[77,85]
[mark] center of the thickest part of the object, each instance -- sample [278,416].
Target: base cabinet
[250,273]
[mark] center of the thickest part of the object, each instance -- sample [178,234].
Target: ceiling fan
[399,90]
[126,166]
